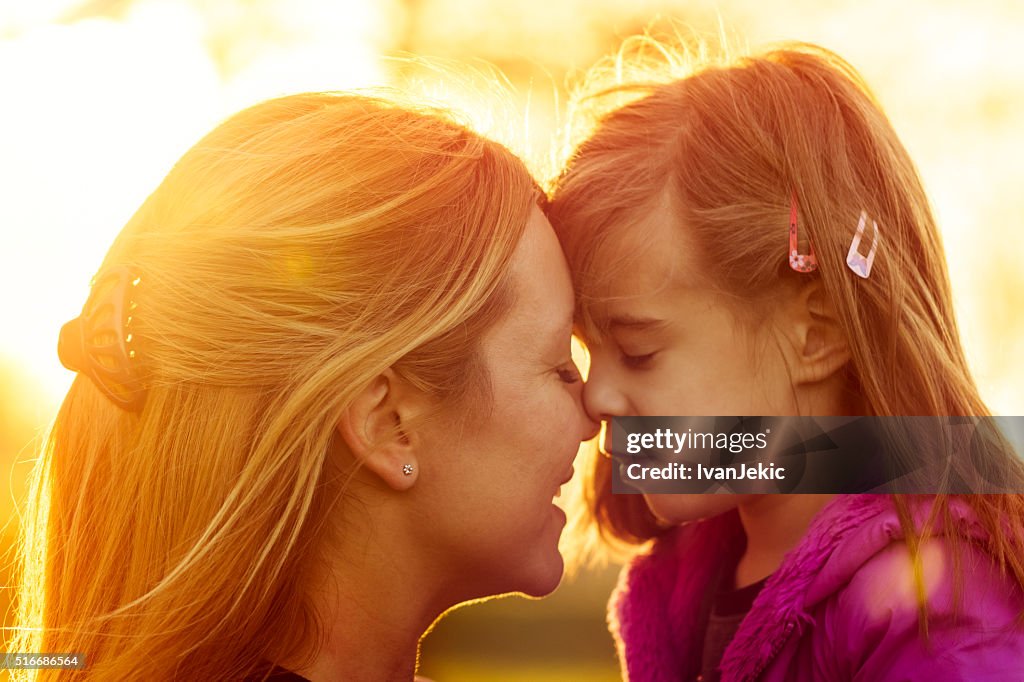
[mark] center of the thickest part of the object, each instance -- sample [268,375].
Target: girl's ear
[817,343]
[375,429]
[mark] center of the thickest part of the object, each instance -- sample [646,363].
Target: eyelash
[637,362]
[568,374]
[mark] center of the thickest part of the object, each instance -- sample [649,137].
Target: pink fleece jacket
[841,606]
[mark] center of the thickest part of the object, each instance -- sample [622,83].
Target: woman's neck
[369,637]
[375,602]
[774,524]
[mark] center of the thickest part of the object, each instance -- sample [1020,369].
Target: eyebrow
[590,328]
[636,323]
[567,324]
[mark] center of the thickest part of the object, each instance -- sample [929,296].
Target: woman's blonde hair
[730,142]
[298,250]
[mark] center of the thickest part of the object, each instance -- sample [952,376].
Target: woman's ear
[817,344]
[375,429]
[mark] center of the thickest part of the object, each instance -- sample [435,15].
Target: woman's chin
[530,564]
[545,578]
[541,575]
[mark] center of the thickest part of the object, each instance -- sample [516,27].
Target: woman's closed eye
[568,373]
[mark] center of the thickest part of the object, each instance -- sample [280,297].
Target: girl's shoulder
[873,625]
[861,540]
[852,591]
[882,609]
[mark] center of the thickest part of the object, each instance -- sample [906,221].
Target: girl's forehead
[629,282]
[635,260]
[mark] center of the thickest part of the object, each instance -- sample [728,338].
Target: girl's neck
[774,524]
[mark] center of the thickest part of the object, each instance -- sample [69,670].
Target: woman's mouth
[558,493]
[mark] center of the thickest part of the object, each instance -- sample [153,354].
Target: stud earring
[407,469]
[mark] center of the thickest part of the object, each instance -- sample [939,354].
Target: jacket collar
[801,581]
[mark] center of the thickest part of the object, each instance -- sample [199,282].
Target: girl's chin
[673,509]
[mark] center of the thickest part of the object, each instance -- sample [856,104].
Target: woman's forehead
[540,285]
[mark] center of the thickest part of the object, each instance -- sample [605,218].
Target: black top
[728,610]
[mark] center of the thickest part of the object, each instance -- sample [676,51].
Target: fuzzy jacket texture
[842,606]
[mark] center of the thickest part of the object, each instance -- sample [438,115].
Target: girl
[753,239]
[296,434]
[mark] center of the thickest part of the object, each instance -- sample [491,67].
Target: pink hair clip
[801,262]
[857,261]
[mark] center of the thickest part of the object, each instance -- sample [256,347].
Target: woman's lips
[558,493]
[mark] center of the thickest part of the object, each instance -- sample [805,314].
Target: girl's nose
[601,399]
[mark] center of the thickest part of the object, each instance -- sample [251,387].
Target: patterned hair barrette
[857,261]
[800,262]
[100,343]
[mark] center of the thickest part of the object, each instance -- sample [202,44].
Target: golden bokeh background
[98,98]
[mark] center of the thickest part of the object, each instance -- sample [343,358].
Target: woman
[296,437]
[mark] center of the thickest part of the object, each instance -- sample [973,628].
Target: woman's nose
[590,427]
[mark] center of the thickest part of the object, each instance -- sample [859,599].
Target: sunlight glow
[98,107]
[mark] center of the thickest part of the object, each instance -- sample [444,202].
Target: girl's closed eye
[638,341]
[637,361]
